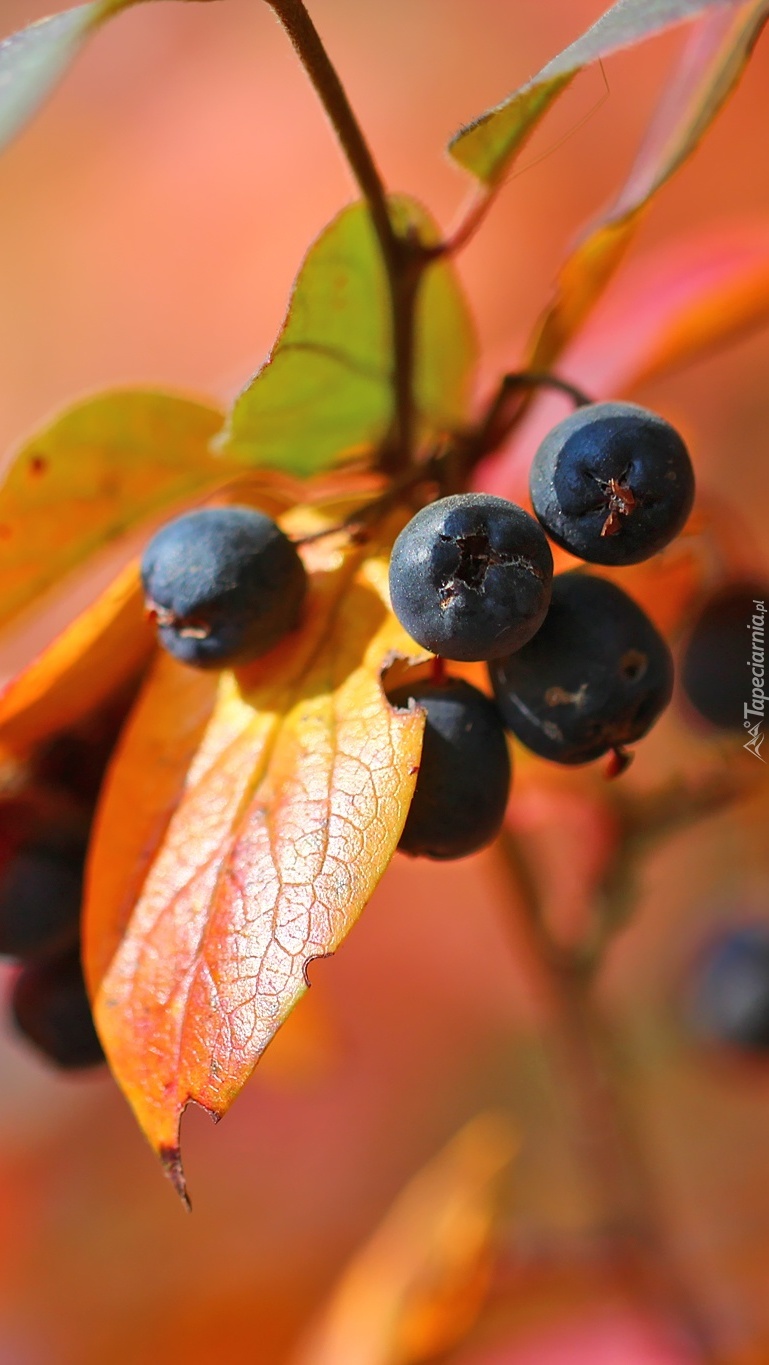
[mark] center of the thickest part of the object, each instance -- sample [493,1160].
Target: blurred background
[153,217]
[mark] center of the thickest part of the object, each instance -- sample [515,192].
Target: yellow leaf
[112,462]
[289,812]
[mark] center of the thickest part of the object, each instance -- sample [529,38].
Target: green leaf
[325,393]
[99,470]
[488,144]
[33,60]
[709,69]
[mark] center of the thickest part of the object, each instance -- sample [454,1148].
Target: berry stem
[629,1233]
[404,257]
[509,402]
[438,669]
[471,218]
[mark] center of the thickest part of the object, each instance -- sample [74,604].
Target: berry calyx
[594,678]
[50,1007]
[224,585]
[612,483]
[464,774]
[470,577]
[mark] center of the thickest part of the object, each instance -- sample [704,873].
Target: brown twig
[629,1233]
[404,257]
[509,402]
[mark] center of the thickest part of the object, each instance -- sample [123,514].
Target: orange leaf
[581,280]
[151,764]
[416,1286]
[290,811]
[83,666]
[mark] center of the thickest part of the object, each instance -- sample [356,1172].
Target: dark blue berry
[595,677]
[40,895]
[74,760]
[729,995]
[718,657]
[50,1007]
[612,483]
[464,774]
[470,577]
[225,585]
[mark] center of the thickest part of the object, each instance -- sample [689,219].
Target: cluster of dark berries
[577,669]
[40,898]
[41,884]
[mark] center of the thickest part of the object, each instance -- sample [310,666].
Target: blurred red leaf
[685,300]
[608,1338]
[290,810]
[712,63]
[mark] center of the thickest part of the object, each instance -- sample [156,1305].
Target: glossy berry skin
[729,999]
[40,897]
[50,1007]
[470,577]
[612,483]
[716,673]
[595,677]
[464,774]
[225,585]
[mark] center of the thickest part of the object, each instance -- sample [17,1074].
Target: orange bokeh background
[153,217]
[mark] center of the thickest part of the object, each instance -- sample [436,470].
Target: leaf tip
[171,1160]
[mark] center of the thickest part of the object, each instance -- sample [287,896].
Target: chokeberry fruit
[40,895]
[612,483]
[74,760]
[224,584]
[595,676]
[729,996]
[718,657]
[470,576]
[464,774]
[50,1007]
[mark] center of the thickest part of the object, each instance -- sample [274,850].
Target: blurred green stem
[630,1235]
[404,258]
